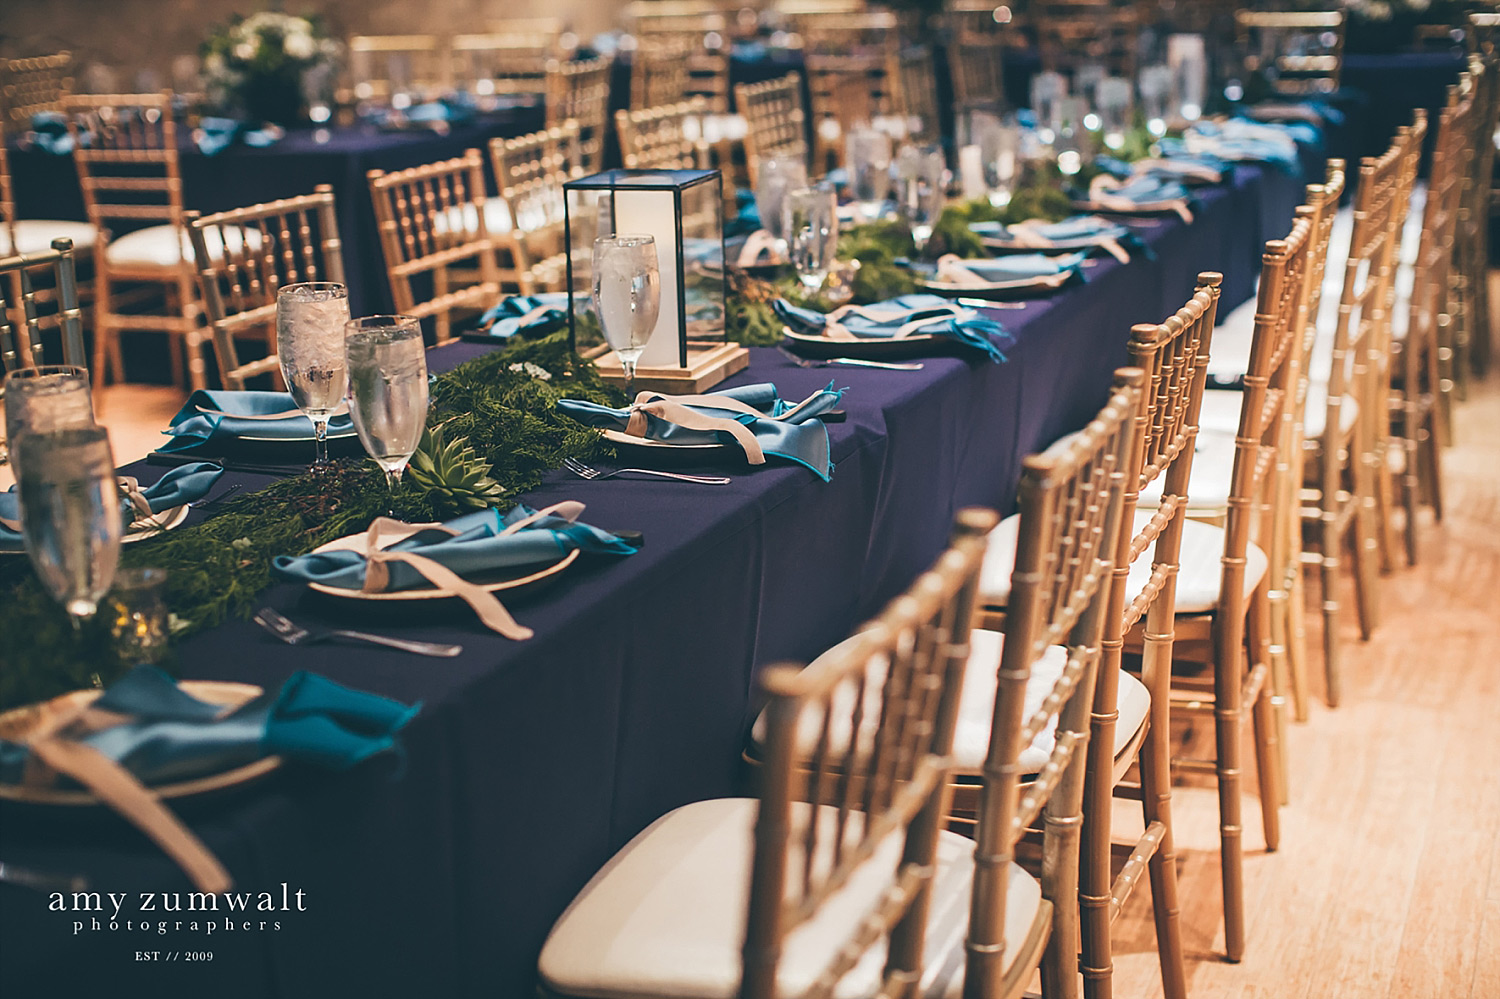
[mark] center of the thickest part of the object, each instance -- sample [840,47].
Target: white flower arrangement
[247,58]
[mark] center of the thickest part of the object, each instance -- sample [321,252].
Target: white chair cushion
[1229,351]
[166,246]
[1213,473]
[1199,571]
[36,235]
[971,738]
[666,915]
[461,218]
[1221,412]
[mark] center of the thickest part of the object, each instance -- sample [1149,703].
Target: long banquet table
[439,871]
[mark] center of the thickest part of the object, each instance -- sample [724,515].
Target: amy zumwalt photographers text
[194,911]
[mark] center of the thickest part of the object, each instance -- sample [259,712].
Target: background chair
[432,221]
[275,244]
[530,171]
[33,85]
[663,138]
[976,42]
[501,62]
[1297,53]
[579,91]
[776,124]
[383,67]
[125,151]
[23,320]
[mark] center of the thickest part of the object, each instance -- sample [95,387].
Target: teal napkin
[1145,191]
[183,484]
[174,736]
[800,437]
[975,331]
[509,317]
[214,420]
[479,546]
[49,133]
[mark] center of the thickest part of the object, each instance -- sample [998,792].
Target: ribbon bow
[1109,194]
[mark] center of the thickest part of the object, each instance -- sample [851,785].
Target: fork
[583,471]
[294,634]
[807,362]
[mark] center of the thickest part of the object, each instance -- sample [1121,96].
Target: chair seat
[36,235]
[167,246]
[971,737]
[461,218]
[1199,573]
[666,915]
[1221,412]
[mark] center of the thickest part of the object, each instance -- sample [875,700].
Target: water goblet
[867,151]
[70,515]
[46,399]
[776,175]
[310,320]
[812,230]
[387,364]
[920,172]
[627,294]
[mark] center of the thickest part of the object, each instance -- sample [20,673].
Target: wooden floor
[1387,882]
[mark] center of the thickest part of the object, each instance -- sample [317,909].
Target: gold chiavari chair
[851,62]
[383,66]
[272,245]
[659,73]
[125,151]
[578,91]
[501,63]
[1131,717]
[976,41]
[833,878]
[530,171]
[775,121]
[1072,33]
[1484,42]
[663,138]
[916,94]
[1298,52]
[432,221]
[24,317]
[1228,568]
[33,85]
[1423,399]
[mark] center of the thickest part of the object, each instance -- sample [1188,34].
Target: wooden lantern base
[709,363]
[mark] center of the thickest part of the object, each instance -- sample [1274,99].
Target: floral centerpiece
[267,66]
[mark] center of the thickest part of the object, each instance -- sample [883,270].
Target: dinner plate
[872,348]
[1143,208]
[1000,289]
[512,578]
[698,451]
[139,530]
[17,723]
[1000,245]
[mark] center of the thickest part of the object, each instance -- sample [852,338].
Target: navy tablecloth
[440,873]
[46,186]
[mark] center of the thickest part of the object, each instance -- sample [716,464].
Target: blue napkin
[478,547]
[1144,191]
[49,133]
[214,135]
[504,320]
[1205,165]
[183,484]
[214,420]
[801,437]
[1075,230]
[976,332]
[747,217]
[174,736]
[1240,140]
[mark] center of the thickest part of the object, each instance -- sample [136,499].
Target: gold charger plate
[512,579]
[16,723]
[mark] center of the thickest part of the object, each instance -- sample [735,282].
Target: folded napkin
[1239,140]
[49,133]
[1106,193]
[759,248]
[213,420]
[183,484]
[1044,270]
[397,556]
[529,315]
[1110,236]
[214,135]
[897,318]
[1179,164]
[752,417]
[145,730]
[747,215]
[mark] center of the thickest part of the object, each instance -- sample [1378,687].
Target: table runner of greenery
[502,406]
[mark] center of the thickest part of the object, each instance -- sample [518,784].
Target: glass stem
[320,440]
[629,369]
[393,478]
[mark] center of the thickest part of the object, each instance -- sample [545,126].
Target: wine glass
[812,231]
[42,400]
[776,175]
[387,389]
[310,320]
[920,172]
[70,515]
[868,153]
[627,294]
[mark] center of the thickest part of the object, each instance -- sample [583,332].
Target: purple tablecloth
[441,873]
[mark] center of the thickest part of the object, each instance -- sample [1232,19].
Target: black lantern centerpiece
[684,211]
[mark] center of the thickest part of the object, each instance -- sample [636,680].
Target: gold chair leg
[1270,751]
[1296,648]
[1227,735]
[1156,804]
[1366,546]
[1332,546]
[1385,503]
[1095,877]
[1279,614]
